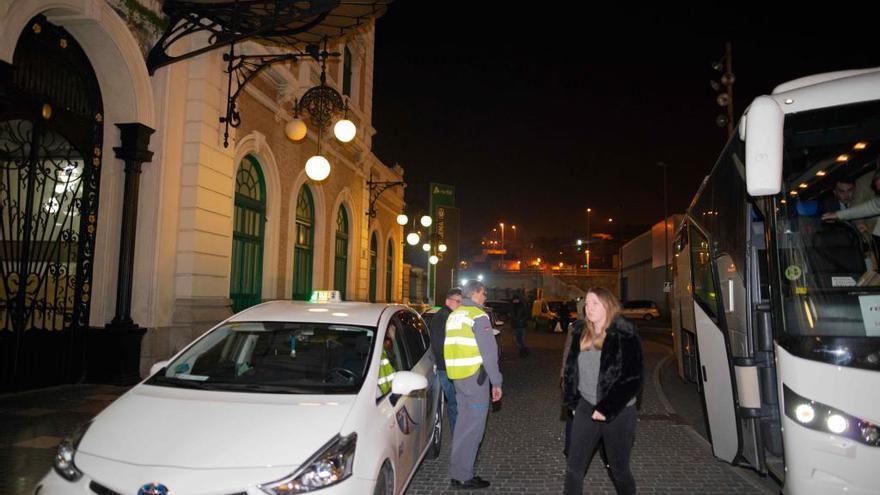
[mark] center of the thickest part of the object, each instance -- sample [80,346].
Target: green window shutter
[389,270]
[374,247]
[246,278]
[304,245]
[340,265]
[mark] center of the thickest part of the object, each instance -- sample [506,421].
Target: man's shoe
[474,483]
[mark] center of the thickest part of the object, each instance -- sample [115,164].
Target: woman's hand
[597,416]
[829,217]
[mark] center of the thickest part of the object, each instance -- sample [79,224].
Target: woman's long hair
[596,336]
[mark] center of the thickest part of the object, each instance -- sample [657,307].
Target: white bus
[777,313]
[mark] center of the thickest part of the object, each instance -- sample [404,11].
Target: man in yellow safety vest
[471,355]
[386,369]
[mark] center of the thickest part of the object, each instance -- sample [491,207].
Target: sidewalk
[33,423]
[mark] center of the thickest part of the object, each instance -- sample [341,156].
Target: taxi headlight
[832,420]
[64,457]
[331,464]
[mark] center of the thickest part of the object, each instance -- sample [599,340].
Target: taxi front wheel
[437,435]
[385,481]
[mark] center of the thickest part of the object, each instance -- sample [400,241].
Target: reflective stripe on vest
[460,348]
[386,374]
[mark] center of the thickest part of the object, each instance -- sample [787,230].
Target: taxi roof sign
[325,296]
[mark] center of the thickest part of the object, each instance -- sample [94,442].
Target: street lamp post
[502,244]
[589,234]
[665,235]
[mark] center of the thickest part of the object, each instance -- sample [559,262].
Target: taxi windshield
[274,357]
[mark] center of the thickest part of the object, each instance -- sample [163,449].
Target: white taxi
[285,397]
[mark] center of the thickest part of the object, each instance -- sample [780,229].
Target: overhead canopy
[291,24]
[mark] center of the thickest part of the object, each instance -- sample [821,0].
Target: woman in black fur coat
[603,376]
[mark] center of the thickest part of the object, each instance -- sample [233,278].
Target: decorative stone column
[114,351]
[134,152]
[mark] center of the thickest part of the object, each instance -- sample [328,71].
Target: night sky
[535,115]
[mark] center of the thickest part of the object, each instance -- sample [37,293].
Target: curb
[747,477]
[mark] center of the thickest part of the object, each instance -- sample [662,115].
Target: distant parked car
[640,310]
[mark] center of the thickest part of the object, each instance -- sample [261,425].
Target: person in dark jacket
[603,376]
[437,328]
[519,316]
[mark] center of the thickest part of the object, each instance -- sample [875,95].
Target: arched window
[246,279]
[340,264]
[305,245]
[389,270]
[374,258]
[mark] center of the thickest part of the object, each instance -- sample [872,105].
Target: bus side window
[705,291]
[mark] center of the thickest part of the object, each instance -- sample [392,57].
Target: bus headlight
[836,423]
[831,420]
[805,413]
[331,464]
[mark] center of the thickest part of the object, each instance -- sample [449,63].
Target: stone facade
[183,253]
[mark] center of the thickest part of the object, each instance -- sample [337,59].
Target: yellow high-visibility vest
[460,349]
[386,374]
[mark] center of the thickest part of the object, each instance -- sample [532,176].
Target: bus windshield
[827,222]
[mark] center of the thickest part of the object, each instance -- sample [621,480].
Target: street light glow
[402,219]
[426,221]
[317,168]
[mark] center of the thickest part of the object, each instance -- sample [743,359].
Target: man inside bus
[844,190]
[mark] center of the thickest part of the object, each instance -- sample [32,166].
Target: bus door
[715,366]
[684,328]
[766,418]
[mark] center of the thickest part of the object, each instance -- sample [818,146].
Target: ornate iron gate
[51,132]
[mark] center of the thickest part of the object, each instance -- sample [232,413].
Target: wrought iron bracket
[376,190]
[244,68]
[226,24]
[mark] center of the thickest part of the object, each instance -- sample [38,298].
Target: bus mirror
[764,123]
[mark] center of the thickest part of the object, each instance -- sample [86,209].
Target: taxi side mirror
[407,382]
[158,367]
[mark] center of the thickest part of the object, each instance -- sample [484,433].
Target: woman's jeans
[618,436]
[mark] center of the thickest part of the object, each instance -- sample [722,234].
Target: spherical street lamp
[344,130]
[433,259]
[426,247]
[426,221]
[412,238]
[442,248]
[317,168]
[402,219]
[296,129]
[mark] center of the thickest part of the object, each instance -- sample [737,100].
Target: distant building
[643,269]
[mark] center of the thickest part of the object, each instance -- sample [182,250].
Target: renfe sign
[441,195]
